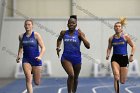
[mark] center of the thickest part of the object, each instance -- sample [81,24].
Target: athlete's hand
[38,58]
[58,50]
[18,59]
[131,58]
[107,57]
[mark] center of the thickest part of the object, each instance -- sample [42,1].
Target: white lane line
[60,89]
[127,89]
[94,89]
[25,91]
[35,87]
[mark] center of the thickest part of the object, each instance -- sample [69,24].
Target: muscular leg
[77,69]
[116,73]
[69,70]
[123,72]
[27,71]
[36,74]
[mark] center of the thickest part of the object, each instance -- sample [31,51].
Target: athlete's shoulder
[36,35]
[126,36]
[21,36]
[62,32]
[111,37]
[80,32]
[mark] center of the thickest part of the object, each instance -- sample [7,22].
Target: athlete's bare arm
[20,49]
[59,41]
[84,39]
[133,47]
[41,44]
[109,48]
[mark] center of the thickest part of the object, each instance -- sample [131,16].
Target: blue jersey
[71,48]
[72,44]
[30,46]
[119,45]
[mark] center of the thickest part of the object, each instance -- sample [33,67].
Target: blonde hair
[122,21]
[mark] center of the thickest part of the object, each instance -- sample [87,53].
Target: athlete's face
[118,28]
[28,25]
[72,23]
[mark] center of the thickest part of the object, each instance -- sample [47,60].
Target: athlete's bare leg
[116,73]
[70,71]
[27,71]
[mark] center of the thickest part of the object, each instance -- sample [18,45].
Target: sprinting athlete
[71,57]
[29,43]
[120,60]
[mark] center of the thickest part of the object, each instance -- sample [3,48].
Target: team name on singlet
[118,43]
[28,41]
[70,40]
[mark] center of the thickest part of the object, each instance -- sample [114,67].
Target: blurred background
[96,19]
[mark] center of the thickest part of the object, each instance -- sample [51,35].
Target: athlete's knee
[117,77]
[37,82]
[28,79]
[123,81]
[75,77]
[71,76]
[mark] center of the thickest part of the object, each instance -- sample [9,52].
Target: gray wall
[96,31]
[62,8]
[2,9]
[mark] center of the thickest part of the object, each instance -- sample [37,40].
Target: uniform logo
[70,40]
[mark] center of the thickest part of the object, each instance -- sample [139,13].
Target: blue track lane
[86,85]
